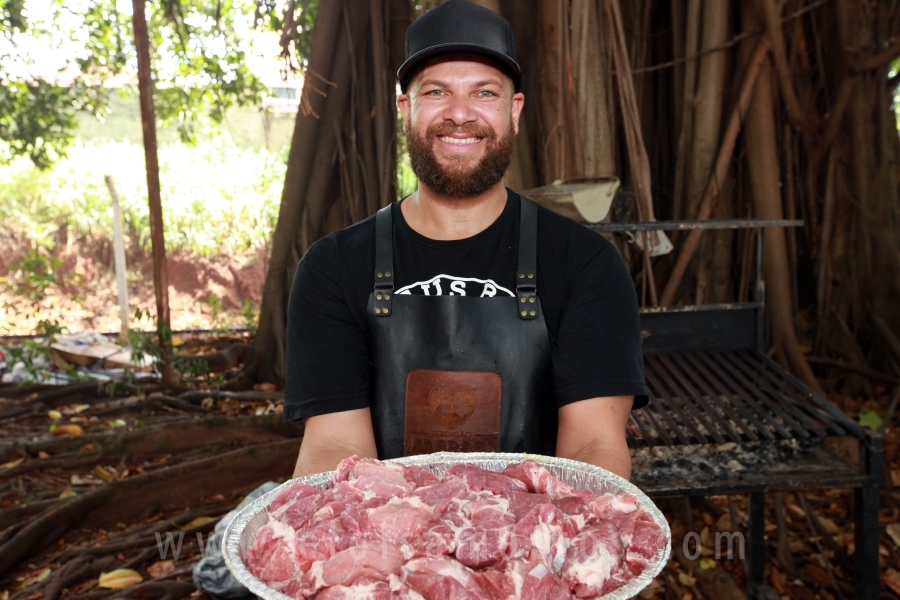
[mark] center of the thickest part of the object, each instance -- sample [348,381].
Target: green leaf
[871,419]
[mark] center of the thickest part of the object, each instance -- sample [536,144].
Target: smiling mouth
[458,141]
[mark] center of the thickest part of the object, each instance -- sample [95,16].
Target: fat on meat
[479,479]
[442,579]
[539,480]
[594,556]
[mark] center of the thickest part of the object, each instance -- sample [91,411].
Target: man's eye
[486,94]
[434,93]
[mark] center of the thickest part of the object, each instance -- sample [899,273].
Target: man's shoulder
[350,243]
[561,237]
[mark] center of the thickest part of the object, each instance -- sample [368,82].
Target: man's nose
[459,110]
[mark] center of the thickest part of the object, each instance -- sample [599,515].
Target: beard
[456,180]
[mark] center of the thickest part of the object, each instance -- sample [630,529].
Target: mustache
[469,129]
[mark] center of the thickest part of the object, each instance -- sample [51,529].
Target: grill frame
[710,383]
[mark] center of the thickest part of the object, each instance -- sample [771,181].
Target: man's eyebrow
[487,82]
[435,82]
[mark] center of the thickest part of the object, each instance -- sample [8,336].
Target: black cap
[460,26]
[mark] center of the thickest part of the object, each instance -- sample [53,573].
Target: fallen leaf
[871,419]
[10,465]
[82,407]
[687,580]
[105,473]
[68,429]
[118,579]
[67,493]
[87,449]
[707,563]
[893,530]
[199,521]
[54,415]
[830,526]
[43,454]
[892,579]
[88,480]
[815,572]
[265,387]
[779,581]
[161,568]
[207,402]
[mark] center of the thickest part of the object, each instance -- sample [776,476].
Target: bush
[217,199]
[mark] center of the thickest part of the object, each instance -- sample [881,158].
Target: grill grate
[729,396]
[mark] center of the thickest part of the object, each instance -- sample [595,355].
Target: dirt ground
[204,293]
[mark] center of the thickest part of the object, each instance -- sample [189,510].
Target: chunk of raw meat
[418,476]
[442,579]
[271,557]
[479,479]
[371,560]
[438,540]
[594,555]
[440,495]
[538,479]
[292,493]
[384,480]
[297,512]
[521,503]
[400,520]
[370,591]
[538,581]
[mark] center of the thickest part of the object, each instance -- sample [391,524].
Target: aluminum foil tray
[241,532]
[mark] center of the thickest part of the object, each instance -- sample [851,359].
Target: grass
[217,199]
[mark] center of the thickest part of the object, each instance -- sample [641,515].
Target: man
[463,317]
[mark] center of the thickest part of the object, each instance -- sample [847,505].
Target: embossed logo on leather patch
[452,411]
[452,406]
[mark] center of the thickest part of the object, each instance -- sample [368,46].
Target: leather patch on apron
[452,411]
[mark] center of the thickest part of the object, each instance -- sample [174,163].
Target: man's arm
[593,431]
[330,438]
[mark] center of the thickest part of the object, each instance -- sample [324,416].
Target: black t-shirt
[587,296]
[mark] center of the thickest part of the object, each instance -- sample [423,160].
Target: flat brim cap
[460,26]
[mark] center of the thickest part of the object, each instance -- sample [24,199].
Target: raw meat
[385,531]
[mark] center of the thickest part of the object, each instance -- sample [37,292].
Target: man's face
[460,116]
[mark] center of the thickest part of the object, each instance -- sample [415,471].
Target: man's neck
[440,218]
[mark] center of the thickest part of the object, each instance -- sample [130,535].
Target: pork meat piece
[479,479]
[442,579]
[529,533]
[324,540]
[486,540]
[440,495]
[380,480]
[611,507]
[271,557]
[296,513]
[345,467]
[400,520]
[594,556]
[438,540]
[374,561]
[370,591]
[521,503]
[536,580]
[292,493]
[419,476]
[539,480]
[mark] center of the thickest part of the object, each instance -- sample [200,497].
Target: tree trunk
[342,162]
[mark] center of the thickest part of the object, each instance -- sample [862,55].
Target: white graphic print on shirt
[447,285]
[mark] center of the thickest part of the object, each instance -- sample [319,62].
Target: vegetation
[229,209]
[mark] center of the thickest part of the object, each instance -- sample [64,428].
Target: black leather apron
[441,364]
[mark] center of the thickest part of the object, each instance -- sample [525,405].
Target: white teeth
[451,140]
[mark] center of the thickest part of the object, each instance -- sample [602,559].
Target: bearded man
[463,317]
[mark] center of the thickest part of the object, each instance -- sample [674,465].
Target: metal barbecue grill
[712,385]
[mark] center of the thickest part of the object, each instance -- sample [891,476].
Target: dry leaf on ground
[118,579]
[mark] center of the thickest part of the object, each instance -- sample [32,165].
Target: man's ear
[518,103]
[403,103]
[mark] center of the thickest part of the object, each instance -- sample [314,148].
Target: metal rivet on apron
[533,313]
[377,311]
[524,313]
[387,274]
[378,296]
[387,296]
[531,276]
[531,300]
[521,276]
[384,311]
[523,299]
[379,275]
